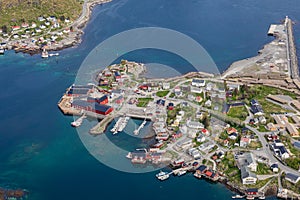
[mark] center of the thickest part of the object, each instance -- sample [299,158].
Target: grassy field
[263,169]
[238,112]
[162,93]
[143,102]
[260,92]
[14,12]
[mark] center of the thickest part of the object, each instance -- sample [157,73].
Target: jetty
[291,50]
[137,131]
[100,127]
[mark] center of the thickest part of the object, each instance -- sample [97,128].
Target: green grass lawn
[262,128]
[143,102]
[263,169]
[12,12]
[162,93]
[238,112]
[260,92]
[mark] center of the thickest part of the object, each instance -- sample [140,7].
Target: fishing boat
[129,155]
[180,173]
[1,51]
[237,196]
[78,122]
[45,54]
[162,176]
[197,175]
[53,54]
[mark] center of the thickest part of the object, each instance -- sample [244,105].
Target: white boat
[180,173]
[262,197]
[78,122]
[129,155]
[123,124]
[162,176]
[237,196]
[197,175]
[1,51]
[115,132]
[53,54]
[115,128]
[45,54]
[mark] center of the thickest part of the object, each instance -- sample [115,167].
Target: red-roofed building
[177,135]
[231,130]
[205,132]
[143,87]
[14,28]
[208,173]
[199,99]
[25,25]
[226,142]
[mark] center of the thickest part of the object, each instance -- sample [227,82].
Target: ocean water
[39,151]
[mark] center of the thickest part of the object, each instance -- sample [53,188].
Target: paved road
[269,153]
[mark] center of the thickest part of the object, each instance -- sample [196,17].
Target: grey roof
[198,81]
[292,177]
[246,173]
[297,145]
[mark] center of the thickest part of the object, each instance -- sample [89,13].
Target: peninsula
[240,128]
[34,26]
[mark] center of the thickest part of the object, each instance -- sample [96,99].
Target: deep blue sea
[41,152]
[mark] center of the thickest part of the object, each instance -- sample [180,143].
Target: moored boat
[250,197]
[180,173]
[45,54]
[1,51]
[162,176]
[237,196]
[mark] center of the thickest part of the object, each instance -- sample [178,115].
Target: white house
[41,19]
[262,120]
[195,124]
[247,164]
[166,86]
[194,153]
[248,178]
[196,90]
[201,138]
[208,103]
[186,143]
[198,83]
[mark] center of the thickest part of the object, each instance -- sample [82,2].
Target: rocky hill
[13,12]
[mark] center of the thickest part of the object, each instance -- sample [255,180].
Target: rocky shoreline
[10,193]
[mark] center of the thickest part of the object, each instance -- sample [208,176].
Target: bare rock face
[271,191]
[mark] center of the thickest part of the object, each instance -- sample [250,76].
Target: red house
[120,100]
[102,100]
[252,191]
[96,108]
[143,87]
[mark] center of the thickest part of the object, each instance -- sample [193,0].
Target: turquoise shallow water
[39,150]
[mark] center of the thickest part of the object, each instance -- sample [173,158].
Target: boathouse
[102,100]
[96,108]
